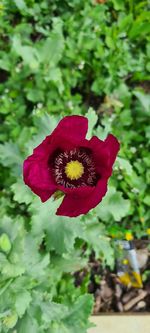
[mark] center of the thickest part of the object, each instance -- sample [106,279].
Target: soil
[110,295]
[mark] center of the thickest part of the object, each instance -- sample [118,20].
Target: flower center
[74,170]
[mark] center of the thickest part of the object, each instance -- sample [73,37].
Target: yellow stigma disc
[74,170]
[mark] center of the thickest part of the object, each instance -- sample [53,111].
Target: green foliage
[5,244]
[113,206]
[60,58]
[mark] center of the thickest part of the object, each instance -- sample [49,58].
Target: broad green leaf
[5,64]
[29,54]
[22,193]
[44,125]
[92,120]
[52,311]
[113,206]
[28,324]
[68,263]
[52,49]
[102,132]
[93,235]
[22,302]
[10,154]
[144,99]
[9,270]
[5,244]
[34,262]
[110,42]
[118,4]
[139,29]
[147,200]
[125,22]
[55,75]
[20,4]
[125,165]
[77,319]
[10,320]
[42,214]
[61,234]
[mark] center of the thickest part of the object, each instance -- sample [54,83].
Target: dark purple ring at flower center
[83,160]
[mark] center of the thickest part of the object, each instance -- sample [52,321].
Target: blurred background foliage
[61,58]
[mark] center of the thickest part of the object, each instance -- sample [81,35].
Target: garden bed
[110,295]
[57,59]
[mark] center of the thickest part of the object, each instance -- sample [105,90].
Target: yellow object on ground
[127,264]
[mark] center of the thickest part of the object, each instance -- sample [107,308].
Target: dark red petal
[69,133]
[74,126]
[78,191]
[113,146]
[100,155]
[76,204]
[104,153]
[37,176]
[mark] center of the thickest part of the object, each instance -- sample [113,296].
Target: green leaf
[28,324]
[68,263]
[94,235]
[53,311]
[110,42]
[55,75]
[118,4]
[146,200]
[22,302]
[139,29]
[44,124]
[42,213]
[9,269]
[61,234]
[29,54]
[113,206]
[77,319]
[20,4]
[53,46]
[10,154]
[22,193]
[92,120]
[52,50]
[125,165]
[5,244]
[125,22]
[144,99]
[5,63]
[34,262]
[10,320]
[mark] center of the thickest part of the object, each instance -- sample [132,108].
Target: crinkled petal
[69,133]
[77,191]
[76,204]
[38,177]
[104,153]
[74,126]
[113,146]
[100,154]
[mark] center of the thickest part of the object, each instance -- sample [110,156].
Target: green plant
[59,58]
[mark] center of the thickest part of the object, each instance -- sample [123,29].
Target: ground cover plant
[59,58]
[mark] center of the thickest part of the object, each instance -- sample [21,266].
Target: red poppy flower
[68,162]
